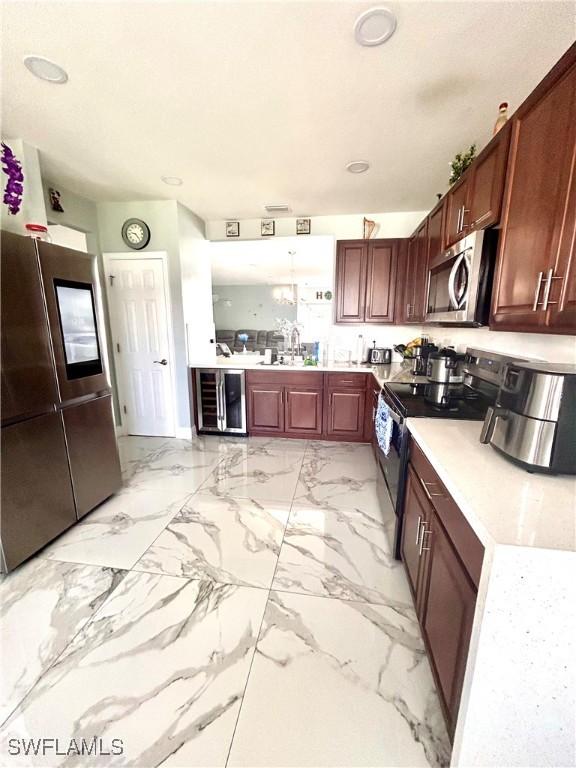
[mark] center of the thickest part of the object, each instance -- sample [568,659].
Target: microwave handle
[451,279]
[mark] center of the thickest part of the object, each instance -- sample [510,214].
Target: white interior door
[140,325]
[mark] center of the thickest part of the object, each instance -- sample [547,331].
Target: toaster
[380,356]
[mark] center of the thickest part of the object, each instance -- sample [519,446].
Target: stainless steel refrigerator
[59,453]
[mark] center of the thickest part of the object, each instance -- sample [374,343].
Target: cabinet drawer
[313,379]
[465,541]
[345,380]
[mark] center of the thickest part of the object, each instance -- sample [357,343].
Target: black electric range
[443,401]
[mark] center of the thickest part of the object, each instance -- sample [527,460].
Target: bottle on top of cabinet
[502,118]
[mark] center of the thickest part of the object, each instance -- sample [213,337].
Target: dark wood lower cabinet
[345,414]
[448,604]
[309,404]
[442,557]
[303,411]
[266,408]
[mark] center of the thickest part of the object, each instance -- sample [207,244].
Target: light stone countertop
[503,503]
[382,373]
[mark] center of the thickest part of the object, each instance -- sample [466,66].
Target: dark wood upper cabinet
[381,281]
[456,210]
[436,230]
[447,614]
[303,410]
[415,275]
[535,281]
[351,267]
[366,281]
[486,184]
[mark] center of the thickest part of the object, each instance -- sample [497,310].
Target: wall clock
[136,233]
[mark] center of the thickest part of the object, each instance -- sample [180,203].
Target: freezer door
[28,383]
[93,452]
[37,500]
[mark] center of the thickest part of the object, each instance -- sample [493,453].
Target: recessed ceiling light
[45,69]
[374,26]
[174,181]
[358,166]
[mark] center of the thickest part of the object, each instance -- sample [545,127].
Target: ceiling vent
[283,208]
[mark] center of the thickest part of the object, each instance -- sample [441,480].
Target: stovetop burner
[445,401]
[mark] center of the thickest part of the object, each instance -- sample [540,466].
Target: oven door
[453,281]
[392,464]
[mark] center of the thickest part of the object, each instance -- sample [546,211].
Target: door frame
[108,258]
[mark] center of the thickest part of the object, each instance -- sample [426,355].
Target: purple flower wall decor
[14,188]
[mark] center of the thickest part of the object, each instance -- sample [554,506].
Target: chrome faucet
[294,343]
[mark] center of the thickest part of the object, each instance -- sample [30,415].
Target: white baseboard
[120,430]
[184,433]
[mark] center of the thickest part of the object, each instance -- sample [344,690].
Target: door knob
[162,362]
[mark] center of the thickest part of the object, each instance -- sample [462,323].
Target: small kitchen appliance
[532,422]
[444,367]
[379,355]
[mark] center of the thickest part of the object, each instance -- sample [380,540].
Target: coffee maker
[532,422]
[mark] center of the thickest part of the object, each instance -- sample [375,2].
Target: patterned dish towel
[383,424]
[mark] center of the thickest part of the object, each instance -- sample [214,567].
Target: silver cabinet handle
[418,529]
[537,292]
[432,485]
[422,547]
[161,362]
[549,277]
[458,221]
[464,212]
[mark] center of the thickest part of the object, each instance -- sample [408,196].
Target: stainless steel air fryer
[533,421]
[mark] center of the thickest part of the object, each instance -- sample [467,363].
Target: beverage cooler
[59,452]
[221,400]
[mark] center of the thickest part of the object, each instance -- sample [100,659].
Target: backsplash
[554,348]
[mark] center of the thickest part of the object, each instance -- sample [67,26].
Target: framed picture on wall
[267,227]
[302,226]
[232,229]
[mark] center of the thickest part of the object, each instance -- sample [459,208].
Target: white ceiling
[268,262]
[265,102]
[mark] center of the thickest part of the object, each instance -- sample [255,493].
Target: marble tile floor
[237,603]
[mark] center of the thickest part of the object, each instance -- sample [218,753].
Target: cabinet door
[420,274]
[381,281]
[447,614]
[562,311]
[417,513]
[410,280]
[303,411]
[436,230]
[535,203]
[266,408]
[345,414]
[487,182]
[456,211]
[37,500]
[351,266]
[28,374]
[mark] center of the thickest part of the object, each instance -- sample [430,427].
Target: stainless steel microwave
[459,281]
